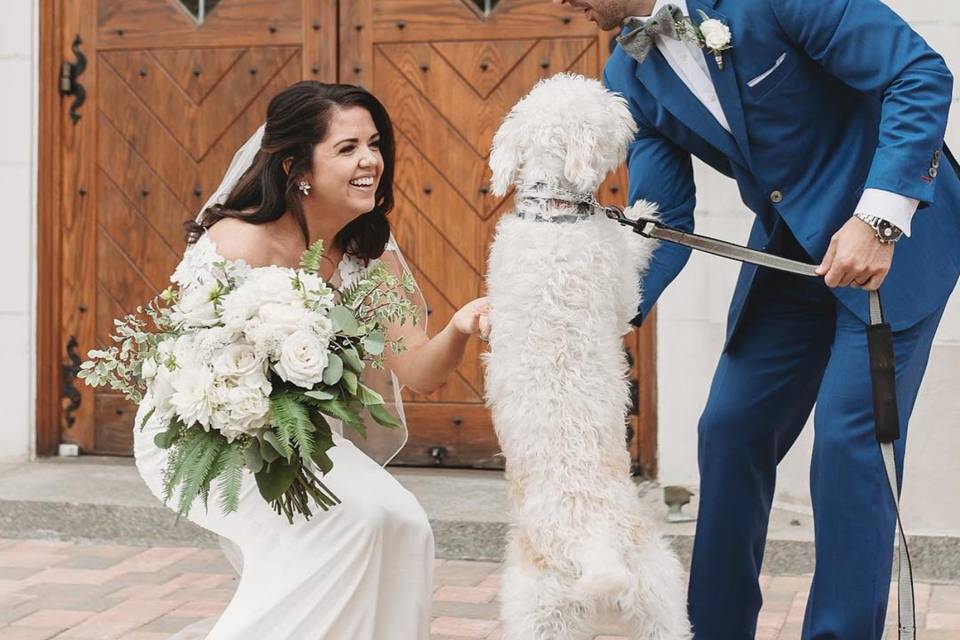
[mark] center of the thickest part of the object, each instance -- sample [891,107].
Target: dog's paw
[605,584]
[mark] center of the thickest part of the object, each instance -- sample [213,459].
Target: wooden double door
[173,87]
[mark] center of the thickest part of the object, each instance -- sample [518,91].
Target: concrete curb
[934,558]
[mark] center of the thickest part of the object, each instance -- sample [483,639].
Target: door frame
[49,270]
[51,355]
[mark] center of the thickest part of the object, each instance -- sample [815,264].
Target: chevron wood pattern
[170,100]
[169,121]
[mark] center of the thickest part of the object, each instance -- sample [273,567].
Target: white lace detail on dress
[202,265]
[352,268]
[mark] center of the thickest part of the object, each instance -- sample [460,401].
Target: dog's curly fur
[562,295]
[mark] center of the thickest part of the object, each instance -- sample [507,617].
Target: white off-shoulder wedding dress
[361,571]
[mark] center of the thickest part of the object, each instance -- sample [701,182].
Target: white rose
[236,360]
[196,307]
[256,380]
[240,305]
[193,395]
[287,317]
[273,284]
[716,34]
[302,359]
[249,408]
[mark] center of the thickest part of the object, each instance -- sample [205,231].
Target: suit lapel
[670,91]
[725,82]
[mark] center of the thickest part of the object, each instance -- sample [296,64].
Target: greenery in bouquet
[243,369]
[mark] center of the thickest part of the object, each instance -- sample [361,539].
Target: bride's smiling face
[347,165]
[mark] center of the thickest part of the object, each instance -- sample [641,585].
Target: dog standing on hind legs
[562,283]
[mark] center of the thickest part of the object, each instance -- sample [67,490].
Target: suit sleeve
[662,173]
[864,44]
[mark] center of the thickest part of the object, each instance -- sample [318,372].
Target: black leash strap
[882,375]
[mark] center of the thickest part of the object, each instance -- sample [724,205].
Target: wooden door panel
[168,103]
[484,65]
[448,76]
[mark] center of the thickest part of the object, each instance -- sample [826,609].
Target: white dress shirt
[688,62]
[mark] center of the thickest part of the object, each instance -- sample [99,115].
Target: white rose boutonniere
[716,37]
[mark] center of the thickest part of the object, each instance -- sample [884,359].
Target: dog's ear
[581,165]
[505,156]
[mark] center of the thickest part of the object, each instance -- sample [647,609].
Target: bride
[322,167]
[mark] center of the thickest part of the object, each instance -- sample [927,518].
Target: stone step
[102,499]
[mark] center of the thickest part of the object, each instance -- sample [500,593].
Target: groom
[830,115]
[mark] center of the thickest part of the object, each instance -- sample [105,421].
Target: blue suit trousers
[798,347]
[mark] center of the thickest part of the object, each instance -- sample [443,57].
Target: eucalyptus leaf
[334,370]
[276,479]
[166,438]
[374,343]
[350,381]
[267,451]
[368,396]
[382,416]
[339,410]
[254,457]
[344,320]
[352,360]
[320,394]
[285,451]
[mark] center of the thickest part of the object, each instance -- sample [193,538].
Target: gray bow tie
[639,38]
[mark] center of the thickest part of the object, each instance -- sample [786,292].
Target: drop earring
[304,187]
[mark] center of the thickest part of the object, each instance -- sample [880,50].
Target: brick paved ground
[64,590]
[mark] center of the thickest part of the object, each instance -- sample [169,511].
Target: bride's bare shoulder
[239,240]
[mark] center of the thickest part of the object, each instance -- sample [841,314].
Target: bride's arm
[427,362]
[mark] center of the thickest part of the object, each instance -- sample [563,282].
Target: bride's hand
[473,319]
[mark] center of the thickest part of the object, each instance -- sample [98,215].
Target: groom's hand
[856,258]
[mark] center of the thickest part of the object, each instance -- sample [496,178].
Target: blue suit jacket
[860,101]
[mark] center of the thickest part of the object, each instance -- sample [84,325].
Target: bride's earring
[304,187]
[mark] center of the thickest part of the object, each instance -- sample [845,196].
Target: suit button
[933,172]
[776,197]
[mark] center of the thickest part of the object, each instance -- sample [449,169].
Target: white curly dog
[563,285]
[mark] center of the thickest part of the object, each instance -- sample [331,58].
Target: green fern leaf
[310,260]
[230,479]
[292,421]
[197,474]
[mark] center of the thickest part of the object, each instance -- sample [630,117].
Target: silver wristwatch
[886,233]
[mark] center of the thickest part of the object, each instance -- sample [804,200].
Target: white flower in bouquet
[315,291]
[237,360]
[302,359]
[207,343]
[239,306]
[161,393]
[272,284]
[196,307]
[288,317]
[245,410]
[193,394]
[149,370]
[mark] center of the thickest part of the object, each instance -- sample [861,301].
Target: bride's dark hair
[298,118]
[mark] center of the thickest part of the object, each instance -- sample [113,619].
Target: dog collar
[539,202]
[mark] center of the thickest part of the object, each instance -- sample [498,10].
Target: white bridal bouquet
[245,369]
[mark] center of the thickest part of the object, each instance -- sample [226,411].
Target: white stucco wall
[18,117]
[692,324]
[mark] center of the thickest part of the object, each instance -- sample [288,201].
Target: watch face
[887,231]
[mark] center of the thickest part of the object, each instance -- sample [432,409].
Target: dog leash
[882,375]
